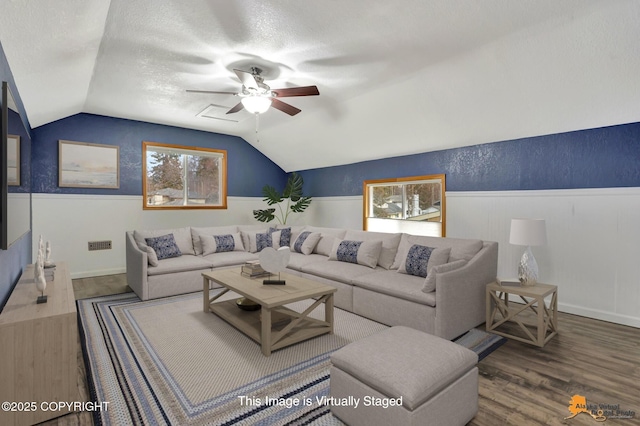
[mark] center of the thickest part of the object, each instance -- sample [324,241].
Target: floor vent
[99,245]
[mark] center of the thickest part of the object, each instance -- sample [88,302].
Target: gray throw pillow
[430,281]
[152,258]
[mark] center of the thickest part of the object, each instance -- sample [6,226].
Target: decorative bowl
[247,304]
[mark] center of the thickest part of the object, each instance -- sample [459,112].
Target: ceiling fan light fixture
[256,104]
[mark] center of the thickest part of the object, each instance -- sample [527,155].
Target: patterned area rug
[165,361]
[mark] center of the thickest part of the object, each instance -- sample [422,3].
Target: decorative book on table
[252,269]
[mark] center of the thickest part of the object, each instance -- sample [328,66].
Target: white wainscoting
[592,255]
[593,250]
[337,212]
[71,221]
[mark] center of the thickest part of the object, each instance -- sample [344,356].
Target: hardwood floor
[519,384]
[522,384]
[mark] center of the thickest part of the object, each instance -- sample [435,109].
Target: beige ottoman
[401,376]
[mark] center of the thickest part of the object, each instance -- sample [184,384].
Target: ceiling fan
[256,96]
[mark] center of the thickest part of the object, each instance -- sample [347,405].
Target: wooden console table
[39,349]
[500,311]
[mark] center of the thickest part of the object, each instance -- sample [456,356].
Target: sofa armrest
[136,267]
[460,294]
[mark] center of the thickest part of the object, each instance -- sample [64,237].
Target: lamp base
[528,269]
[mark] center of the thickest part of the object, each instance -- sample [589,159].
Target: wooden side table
[499,311]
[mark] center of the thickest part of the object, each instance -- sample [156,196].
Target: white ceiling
[395,78]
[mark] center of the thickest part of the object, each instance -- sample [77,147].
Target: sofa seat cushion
[338,271]
[186,262]
[402,286]
[298,261]
[230,258]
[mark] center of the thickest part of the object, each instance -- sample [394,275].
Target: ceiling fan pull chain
[257,123]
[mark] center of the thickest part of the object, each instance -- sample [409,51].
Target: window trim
[404,180]
[183,149]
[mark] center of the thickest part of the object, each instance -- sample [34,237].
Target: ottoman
[402,376]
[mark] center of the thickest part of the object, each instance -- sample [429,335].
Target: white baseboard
[97,273]
[599,315]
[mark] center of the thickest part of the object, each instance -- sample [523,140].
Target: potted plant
[292,194]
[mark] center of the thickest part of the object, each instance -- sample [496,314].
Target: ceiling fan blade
[246,78]
[296,91]
[286,108]
[211,91]
[236,108]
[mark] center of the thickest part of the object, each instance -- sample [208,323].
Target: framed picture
[13,160]
[88,165]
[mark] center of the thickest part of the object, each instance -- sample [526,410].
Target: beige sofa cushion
[187,262]
[402,286]
[338,271]
[298,261]
[230,258]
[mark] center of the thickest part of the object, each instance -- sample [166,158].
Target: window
[411,204]
[180,177]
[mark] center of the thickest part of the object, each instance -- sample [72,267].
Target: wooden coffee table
[274,326]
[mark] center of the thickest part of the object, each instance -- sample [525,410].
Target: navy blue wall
[248,170]
[13,260]
[596,158]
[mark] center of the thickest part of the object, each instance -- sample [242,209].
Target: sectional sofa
[436,285]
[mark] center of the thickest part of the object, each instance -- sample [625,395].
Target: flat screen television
[15,172]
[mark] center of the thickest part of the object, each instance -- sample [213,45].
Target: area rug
[165,361]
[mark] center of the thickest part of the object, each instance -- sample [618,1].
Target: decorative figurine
[39,278]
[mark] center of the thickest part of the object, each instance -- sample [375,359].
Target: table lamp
[528,232]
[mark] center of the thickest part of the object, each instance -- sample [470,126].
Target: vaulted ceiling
[395,78]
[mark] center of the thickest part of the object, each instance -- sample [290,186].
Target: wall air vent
[99,245]
[219,112]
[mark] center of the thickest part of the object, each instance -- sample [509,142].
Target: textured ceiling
[395,78]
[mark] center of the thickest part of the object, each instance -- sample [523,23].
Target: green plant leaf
[301,205]
[293,189]
[265,215]
[272,196]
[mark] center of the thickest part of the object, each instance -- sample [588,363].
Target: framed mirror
[15,176]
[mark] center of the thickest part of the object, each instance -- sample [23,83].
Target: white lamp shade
[256,104]
[528,232]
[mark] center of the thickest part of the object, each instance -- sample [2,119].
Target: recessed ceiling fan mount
[256,96]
